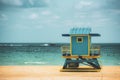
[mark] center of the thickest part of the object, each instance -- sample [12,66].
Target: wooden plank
[80,70]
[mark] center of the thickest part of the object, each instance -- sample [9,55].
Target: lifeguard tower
[81,52]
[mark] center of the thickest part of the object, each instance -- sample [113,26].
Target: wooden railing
[65,49]
[94,51]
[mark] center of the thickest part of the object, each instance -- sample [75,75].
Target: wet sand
[53,73]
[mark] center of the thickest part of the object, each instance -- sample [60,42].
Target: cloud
[45,12]
[3,17]
[72,23]
[56,17]
[11,2]
[49,13]
[23,3]
[31,2]
[97,5]
[39,27]
[17,2]
[83,4]
[47,1]
[35,3]
[33,16]
[116,11]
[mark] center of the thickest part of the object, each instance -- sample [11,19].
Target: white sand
[53,73]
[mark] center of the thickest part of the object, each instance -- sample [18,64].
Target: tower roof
[81,31]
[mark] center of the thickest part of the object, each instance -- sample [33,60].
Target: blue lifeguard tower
[81,52]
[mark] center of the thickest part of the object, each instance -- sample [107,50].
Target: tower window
[80,39]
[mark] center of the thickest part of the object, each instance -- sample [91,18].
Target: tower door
[79,45]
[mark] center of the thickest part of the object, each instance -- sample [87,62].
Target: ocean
[40,54]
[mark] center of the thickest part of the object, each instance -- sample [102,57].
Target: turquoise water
[50,55]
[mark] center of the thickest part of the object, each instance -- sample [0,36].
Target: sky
[39,21]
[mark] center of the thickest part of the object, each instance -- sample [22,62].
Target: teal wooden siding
[79,48]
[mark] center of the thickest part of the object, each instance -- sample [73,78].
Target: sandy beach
[53,73]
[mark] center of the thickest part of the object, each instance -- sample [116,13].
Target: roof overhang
[91,34]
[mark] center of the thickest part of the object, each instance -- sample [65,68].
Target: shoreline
[53,73]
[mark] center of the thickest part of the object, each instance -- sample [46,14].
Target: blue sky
[45,20]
